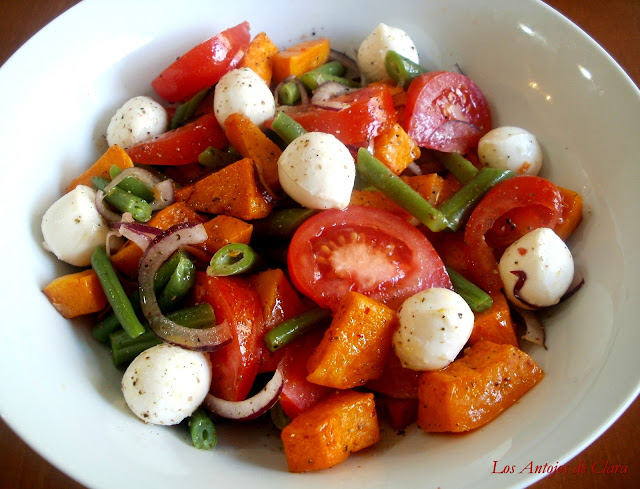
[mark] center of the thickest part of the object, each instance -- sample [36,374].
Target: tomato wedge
[182,145]
[446,111]
[235,366]
[203,65]
[366,250]
[366,113]
[534,195]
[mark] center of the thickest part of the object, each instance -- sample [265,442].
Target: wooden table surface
[615,24]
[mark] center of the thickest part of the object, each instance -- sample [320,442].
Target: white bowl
[59,391]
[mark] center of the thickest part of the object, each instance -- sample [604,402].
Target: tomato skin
[234,366]
[203,65]
[181,146]
[366,250]
[519,192]
[446,111]
[370,111]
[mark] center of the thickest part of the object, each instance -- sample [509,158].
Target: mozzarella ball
[243,91]
[373,50]
[72,227]
[317,171]
[138,120]
[542,263]
[511,148]
[435,324]
[165,384]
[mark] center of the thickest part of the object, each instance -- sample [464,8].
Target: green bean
[477,298]
[115,293]
[287,331]
[202,430]
[278,417]
[185,111]
[285,127]
[457,208]
[232,259]
[400,69]
[282,223]
[313,80]
[457,164]
[289,93]
[124,348]
[378,175]
[111,323]
[179,284]
[217,159]
[132,185]
[124,201]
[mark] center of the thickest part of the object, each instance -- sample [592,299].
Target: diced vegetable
[300,58]
[395,149]
[475,389]
[259,56]
[115,155]
[330,431]
[76,294]
[495,324]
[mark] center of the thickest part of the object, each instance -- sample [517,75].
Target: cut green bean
[232,259]
[124,348]
[289,93]
[473,295]
[459,206]
[278,417]
[115,293]
[202,430]
[381,177]
[287,128]
[312,80]
[458,165]
[287,331]
[400,69]
[179,284]
[282,223]
[111,323]
[124,201]
[185,111]
[217,159]
[132,185]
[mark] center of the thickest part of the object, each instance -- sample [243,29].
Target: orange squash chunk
[115,155]
[76,294]
[327,433]
[396,149]
[259,56]
[300,58]
[571,213]
[476,388]
[223,230]
[495,324]
[356,345]
[233,191]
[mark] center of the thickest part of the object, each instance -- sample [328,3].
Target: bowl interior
[537,70]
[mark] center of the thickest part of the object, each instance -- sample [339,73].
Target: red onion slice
[103,210]
[163,193]
[324,94]
[304,96]
[534,329]
[140,234]
[352,69]
[158,251]
[252,407]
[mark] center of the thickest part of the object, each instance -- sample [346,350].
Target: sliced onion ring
[534,329]
[324,94]
[103,210]
[159,250]
[163,193]
[140,234]
[353,70]
[304,96]
[252,407]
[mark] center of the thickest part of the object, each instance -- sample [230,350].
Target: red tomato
[446,111]
[367,250]
[234,366]
[182,145]
[298,394]
[367,112]
[520,192]
[203,65]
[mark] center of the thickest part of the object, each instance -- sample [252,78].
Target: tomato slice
[182,145]
[366,250]
[446,111]
[203,65]
[366,113]
[535,195]
[234,366]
